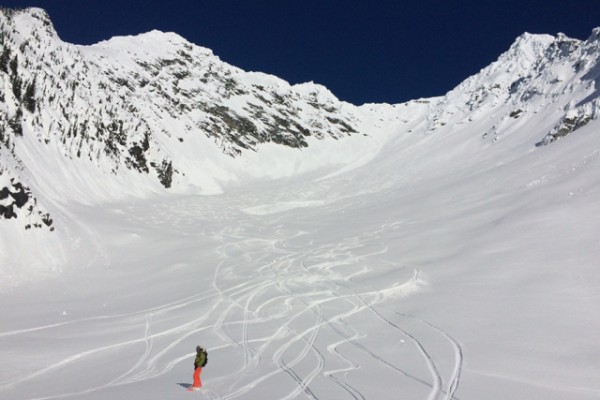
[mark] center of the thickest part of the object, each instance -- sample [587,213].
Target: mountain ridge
[153,112]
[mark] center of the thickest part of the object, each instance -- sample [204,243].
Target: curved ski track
[286,316]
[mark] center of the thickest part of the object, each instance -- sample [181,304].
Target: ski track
[298,306]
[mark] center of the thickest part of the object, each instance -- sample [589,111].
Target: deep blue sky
[363,51]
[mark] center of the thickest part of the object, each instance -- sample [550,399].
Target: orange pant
[197,381]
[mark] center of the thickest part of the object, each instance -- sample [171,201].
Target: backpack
[205,358]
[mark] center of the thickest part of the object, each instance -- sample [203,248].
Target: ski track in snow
[291,319]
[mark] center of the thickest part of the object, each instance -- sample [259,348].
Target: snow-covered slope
[444,248]
[155,105]
[146,115]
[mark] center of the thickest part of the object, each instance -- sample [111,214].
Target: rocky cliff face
[125,100]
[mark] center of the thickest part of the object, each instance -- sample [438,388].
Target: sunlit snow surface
[442,256]
[481,283]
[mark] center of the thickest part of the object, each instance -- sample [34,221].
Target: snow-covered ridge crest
[538,73]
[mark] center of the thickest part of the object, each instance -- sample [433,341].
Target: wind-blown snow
[442,256]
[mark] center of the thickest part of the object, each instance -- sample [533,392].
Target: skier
[199,362]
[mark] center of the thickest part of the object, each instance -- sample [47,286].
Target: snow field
[275,323]
[444,256]
[369,284]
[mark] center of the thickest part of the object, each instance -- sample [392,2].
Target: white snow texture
[444,248]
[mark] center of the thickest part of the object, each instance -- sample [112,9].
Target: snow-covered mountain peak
[518,61]
[26,24]
[537,70]
[154,43]
[528,47]
[26,18]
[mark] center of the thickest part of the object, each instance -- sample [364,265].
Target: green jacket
[200,357]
